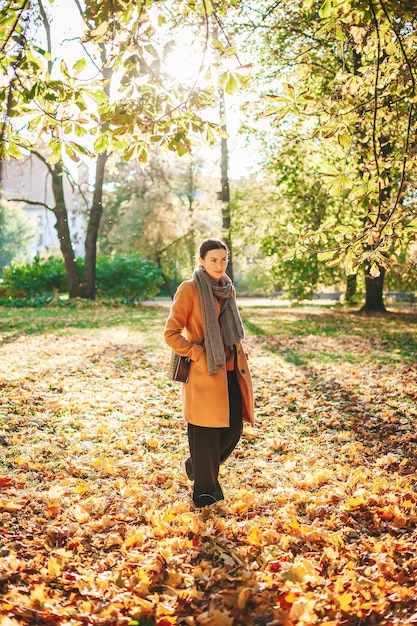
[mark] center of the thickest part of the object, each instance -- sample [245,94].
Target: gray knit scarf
[229,319]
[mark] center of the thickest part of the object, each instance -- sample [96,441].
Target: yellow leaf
[291,597]
[254,536]
[134,536]
[10,505]
[244,596]
[66,554]
[345,600]
[37,595]
[142,610]
[54,568]
[56,492]
[81,488]
[303,611]
[80,514]
[355,501]
[100,30]
[216,619]
[303,571]
[106,465]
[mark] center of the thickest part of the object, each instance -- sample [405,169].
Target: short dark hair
[212,244]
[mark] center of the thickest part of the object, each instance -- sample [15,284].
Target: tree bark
[164,276]
[62,228]
[225,192]
[374,301]
[90,261]
[351,284]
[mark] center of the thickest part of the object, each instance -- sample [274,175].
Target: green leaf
[289,90]
[79,130]
[183,149]
[101,144]
[99,96]
[33,60]
[292,229]
[326,10]
[13,150]
[289,256]
[64,68]
[71,153]
[374,270]
[231,84]
[128,154]
[79,66]
[230,51]
[55,146]
[326,255]
[344,140]
[391,48]
[143,155]
[210,136]
[97,33]
[337,258]
[278,113]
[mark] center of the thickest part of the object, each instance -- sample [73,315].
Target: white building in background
[28,183]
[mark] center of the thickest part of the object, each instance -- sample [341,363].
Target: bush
[121,276]
[127,276]
[42,276]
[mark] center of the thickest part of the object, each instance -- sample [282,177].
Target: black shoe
[205,499]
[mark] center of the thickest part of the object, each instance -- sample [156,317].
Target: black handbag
[179,368]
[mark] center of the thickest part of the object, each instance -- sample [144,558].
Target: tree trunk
[164,276]
[90,262]
[89,285]
[351,285]
[62,228]
[225,192]
[374,302]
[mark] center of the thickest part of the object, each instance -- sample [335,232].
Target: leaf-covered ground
[96,521]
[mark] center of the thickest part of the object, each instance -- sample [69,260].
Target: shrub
[42,276]
[120,276]
[127,276]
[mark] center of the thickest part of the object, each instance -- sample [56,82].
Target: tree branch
[375,99]
[32,202]
[13,28]
[47,27]
[403,169]
[406,59]
[44,161]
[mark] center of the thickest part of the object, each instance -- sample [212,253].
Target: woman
[204,324]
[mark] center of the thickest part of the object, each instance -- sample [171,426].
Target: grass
[393,334]
[92,321]
[48,320]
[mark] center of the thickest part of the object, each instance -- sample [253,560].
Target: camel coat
[205,398]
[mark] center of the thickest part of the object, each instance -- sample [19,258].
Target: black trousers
[209,447]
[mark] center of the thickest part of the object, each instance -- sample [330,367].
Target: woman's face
[215,263]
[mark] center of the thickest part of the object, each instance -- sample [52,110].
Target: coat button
[243,371]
